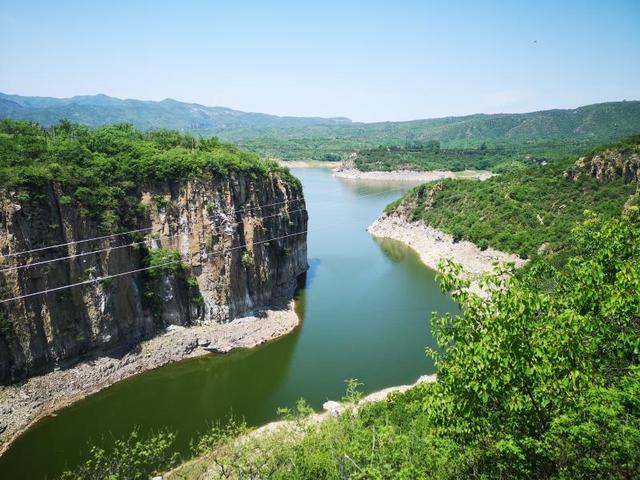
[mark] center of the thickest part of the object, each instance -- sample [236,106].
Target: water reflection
[365,307]
[392,249]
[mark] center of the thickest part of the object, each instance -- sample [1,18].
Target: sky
[366,60]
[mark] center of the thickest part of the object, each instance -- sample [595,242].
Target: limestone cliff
[241,240]
[609,164]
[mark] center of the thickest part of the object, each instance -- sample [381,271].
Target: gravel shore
[24,403]
[412,175]
[433,245]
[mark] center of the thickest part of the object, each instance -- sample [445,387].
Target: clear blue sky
[366,60]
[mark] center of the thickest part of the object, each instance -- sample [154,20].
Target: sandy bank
[412,175]
[433,245]
[23,404]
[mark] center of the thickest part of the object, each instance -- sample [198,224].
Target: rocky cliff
[609,164]
[224,246]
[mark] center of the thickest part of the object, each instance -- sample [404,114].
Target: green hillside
[522,211]
[98,110]
[335,138]
[498,158]
[100,170]
[532,382]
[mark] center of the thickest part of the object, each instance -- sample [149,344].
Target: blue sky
[366,60]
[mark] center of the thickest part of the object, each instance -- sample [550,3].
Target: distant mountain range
[601,122]
[96,110]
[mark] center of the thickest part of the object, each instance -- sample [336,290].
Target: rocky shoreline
[24,403]
[411,175]
[432,245]
[309,164]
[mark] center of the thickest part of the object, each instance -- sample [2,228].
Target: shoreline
[412,175]
[24,404]
[330,408]
[432,245]
[309,164]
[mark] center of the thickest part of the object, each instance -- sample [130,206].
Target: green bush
[133,458]
[5,324]
[162,261]
[518,212]
[539,380]
[246,259]
[102,168]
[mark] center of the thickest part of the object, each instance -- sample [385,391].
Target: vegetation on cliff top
[521,211]
[102,169]
[539,380]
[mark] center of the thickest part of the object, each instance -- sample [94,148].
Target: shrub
[247,259]
[540,379]
[5,324]
[132,458]
[163,261]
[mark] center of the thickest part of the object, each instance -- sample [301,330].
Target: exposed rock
[334,408]
[210,221]
[432,245]
[408,175]
[24,403]
[609,164]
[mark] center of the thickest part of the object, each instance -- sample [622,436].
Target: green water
[365,311]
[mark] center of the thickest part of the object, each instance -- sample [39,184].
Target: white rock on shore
[432,245]
[411,175]
[25,403]
[331,408]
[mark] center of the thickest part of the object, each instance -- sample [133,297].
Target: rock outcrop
[241,241]
[607,165]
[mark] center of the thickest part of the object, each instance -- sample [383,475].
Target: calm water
[365,312]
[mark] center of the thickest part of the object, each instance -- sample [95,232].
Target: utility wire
[86,282]
[133,244]
[139,230]
[104,237]
[222,227]
[115,275]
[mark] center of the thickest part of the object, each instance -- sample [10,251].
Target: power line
[106,277]
[133,244]
[115,275]
[110,248]
[104,237]
[222,227]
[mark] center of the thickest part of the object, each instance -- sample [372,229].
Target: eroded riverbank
[432,245]
[23,404]
[377,291]
[412,175]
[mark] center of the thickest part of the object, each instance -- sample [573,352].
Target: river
[365,314]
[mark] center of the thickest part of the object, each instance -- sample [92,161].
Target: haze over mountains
[594,123]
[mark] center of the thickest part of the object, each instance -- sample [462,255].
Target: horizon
[369,62]
[317,116]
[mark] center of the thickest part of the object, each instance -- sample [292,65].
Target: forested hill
[596,123]
[532,211]
[98,110]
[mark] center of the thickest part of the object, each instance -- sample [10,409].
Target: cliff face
[608,165]
[233,262]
